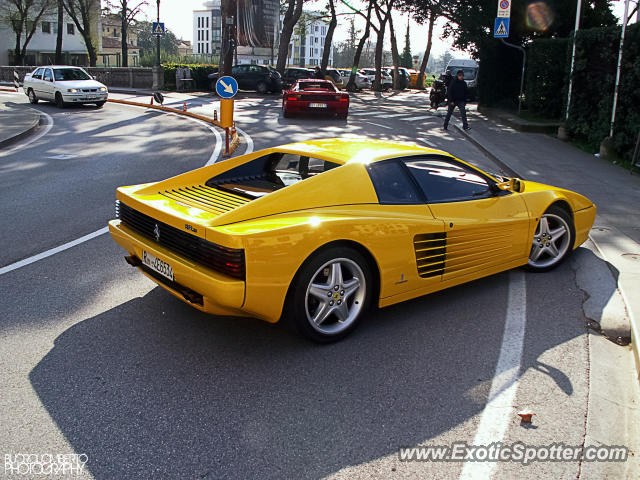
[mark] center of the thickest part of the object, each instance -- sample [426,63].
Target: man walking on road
[457,94]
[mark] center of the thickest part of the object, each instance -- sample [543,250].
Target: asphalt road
[97,360]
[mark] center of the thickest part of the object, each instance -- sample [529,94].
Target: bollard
[151,102]
[215,115]
[184,106]
[16,81]
[226,143]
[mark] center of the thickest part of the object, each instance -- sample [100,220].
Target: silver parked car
[362,81]
[64,85]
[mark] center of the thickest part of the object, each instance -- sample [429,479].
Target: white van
[470,69]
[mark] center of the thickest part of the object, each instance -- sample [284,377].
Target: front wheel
[100,104]
[59,100]
[32,96]
[262,88]
[331,293]
[552,241]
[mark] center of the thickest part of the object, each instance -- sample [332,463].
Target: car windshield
[469,72]
[267,174]
[67,74]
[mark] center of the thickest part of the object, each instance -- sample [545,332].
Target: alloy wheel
[335,296]
[550,242]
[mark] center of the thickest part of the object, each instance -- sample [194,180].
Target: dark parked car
[253,77]
[292,75]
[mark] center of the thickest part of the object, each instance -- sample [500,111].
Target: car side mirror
[512,184]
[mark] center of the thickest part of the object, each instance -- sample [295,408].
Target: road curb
[25,133]
[601,247]
[235,139]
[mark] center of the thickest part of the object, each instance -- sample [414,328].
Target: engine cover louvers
[431,251]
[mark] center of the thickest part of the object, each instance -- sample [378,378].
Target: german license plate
[157,265]
[318,105]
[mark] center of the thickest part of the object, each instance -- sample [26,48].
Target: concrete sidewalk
[16,123]
[616,193]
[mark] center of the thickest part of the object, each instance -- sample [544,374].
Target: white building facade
[307,43]
[207,29]
[41,48]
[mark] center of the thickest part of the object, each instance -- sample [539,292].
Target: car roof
[356,149]
[59,66]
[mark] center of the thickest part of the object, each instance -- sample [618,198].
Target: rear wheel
[343,116]
[32,96]
[552,241]
[331,293]
[59,100]
[286,113]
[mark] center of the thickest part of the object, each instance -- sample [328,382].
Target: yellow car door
[485,229]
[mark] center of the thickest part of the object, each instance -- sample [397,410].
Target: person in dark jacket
[457,94]
[318,74]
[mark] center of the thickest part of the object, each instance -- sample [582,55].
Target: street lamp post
[158,37]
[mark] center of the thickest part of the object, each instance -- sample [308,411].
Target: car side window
[443,180]
[47,75]
[393,184]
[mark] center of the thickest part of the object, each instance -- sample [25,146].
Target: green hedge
[593,88]
[546,74]
[199,74]
[499,74]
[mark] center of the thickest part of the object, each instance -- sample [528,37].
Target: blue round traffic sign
[226,87]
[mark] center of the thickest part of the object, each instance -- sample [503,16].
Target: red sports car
[312,95]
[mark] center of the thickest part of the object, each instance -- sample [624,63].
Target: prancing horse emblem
[156,232]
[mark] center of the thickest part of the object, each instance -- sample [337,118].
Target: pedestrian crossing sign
[157,28]
[501,27]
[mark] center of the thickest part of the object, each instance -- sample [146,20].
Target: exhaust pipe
[133,260]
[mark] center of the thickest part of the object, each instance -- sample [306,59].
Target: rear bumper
[221,295]
[303,106]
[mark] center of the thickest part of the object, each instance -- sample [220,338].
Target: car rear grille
[317,98]
[431,252]
[229,261]
[206,198]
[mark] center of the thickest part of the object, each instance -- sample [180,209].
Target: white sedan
[370,73]
[64,85]
[361,80]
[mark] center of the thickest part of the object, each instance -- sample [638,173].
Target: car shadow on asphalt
[153,387]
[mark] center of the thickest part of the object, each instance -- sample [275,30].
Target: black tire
[100,104]
[355,288]
[286,113]
[343,116]
[541,257]
[59,100]
[262,88]
[32,96]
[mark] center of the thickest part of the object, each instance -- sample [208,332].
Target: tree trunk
[329,38]
[59,59]
[351,85]
[427,52]
[291,17]
[394,55]
[123,28]
[377,83]
[226,54]
[17,53]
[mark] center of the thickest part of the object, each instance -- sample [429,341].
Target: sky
[178,14]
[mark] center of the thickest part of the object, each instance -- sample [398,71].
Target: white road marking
[53,251]
[427,142]
[248,139]
[361,113]
[498,412]
[424,117]
[378,125]
[391,115]
[25,143]
[102,231]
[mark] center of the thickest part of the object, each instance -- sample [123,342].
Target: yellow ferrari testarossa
[316,232]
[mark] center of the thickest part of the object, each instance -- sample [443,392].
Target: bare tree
[383,18]
[127,15]
[427,51]
[291,16]
[329,37]
[85,15]
[351,84]
[24,17]
[60,10]
[394,55]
